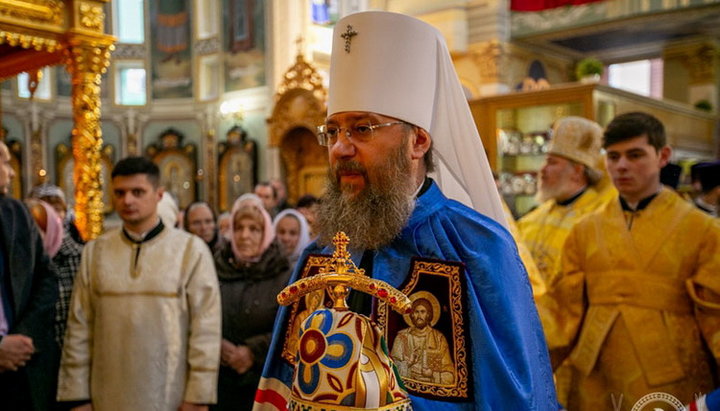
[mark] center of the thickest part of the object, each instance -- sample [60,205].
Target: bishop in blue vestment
[396,115]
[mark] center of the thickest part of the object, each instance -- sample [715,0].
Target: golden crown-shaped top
[339,276]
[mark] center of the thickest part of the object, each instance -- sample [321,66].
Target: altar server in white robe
[144,324]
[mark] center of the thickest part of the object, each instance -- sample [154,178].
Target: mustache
[349,166]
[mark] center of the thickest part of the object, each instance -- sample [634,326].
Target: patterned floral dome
[343,363]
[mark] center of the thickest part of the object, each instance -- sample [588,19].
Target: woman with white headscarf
[252,270]
[293,233]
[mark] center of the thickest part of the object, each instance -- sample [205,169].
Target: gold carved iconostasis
[39,33]
[300,106]
[237,167]
[177,164]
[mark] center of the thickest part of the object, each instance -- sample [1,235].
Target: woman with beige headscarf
[251,269]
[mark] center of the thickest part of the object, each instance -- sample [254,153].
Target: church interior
[222,94]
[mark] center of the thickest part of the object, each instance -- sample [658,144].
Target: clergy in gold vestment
[569,188]
[637,300]
[536,280]
[144,324]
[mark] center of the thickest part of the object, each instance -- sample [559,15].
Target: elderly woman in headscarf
[49,223]
[293,233]
[200,220]
[252,270]
[225,219]
[65,254]
[54,196]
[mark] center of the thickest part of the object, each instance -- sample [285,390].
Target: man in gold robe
[144,324]
[568,190]
[536,280]
[636,303]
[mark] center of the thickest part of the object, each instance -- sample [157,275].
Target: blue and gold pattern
[343,360]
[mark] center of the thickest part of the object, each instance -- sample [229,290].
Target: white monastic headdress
[398,66]
[579,140]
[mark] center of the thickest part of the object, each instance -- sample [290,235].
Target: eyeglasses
[328,134]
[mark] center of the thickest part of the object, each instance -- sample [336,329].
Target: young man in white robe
[144,324]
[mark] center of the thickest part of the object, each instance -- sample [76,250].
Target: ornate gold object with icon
[341,358]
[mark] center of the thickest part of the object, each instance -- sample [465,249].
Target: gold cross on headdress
[348,35]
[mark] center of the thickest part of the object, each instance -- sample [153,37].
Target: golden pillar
[88,56]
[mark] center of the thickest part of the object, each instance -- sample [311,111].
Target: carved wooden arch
[292,128]
[305,162]
[299,109]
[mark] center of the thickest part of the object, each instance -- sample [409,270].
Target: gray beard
[376,215]
[543,194]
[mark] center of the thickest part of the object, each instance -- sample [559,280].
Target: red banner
[538,5]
